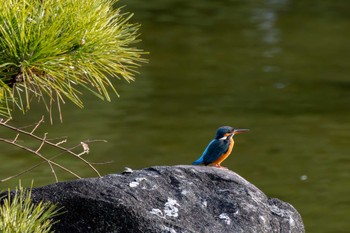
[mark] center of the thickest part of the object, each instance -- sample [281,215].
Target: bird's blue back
[214,150]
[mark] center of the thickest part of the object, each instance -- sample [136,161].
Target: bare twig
[53,172]
[51,159]
[103,163]
[15,139]
[50,142]
[27,170]
[37,125]
[39,155]
[42,143]
[61,142]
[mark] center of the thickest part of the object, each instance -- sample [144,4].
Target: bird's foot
[219,166]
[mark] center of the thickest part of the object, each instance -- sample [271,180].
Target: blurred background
[278,67]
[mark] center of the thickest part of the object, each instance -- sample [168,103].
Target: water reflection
[266,19]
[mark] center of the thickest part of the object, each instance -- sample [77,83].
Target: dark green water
[278,67]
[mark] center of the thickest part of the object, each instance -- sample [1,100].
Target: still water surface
[278,67]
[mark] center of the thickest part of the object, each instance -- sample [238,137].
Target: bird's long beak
[238,131]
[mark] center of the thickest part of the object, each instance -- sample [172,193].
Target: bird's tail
[197,162]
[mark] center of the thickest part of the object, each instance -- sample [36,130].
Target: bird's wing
[214,150]
[201,159]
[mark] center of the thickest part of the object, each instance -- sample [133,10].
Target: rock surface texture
[169,199]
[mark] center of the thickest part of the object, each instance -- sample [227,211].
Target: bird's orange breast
[226,154]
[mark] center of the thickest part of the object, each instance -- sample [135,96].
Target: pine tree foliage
[48,48]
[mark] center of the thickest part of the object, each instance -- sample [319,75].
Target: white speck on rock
[226,218]
[170,208]
[204,204]
[139,179]
[249,207]
[136,182]
[262,219]
[291,221]
[168,229]
[153,175]
[154,187]
[157,212]
[184,192]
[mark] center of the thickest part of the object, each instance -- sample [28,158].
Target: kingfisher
[220,147]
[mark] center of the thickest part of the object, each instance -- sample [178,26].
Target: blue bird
[220,147]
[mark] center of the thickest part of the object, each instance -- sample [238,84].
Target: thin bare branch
[49,143]
[23,172]
[37,125]
[53,172]
[51,159]
[61,142]
[103,163]
[63,138]
[4,122]
[42,143]
[30,169]
[15,139]
[41,156]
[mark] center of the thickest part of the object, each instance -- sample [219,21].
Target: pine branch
[49,49]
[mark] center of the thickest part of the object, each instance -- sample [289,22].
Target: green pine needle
[19,215]
[49,48]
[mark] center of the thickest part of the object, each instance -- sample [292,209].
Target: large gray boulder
[168,199]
